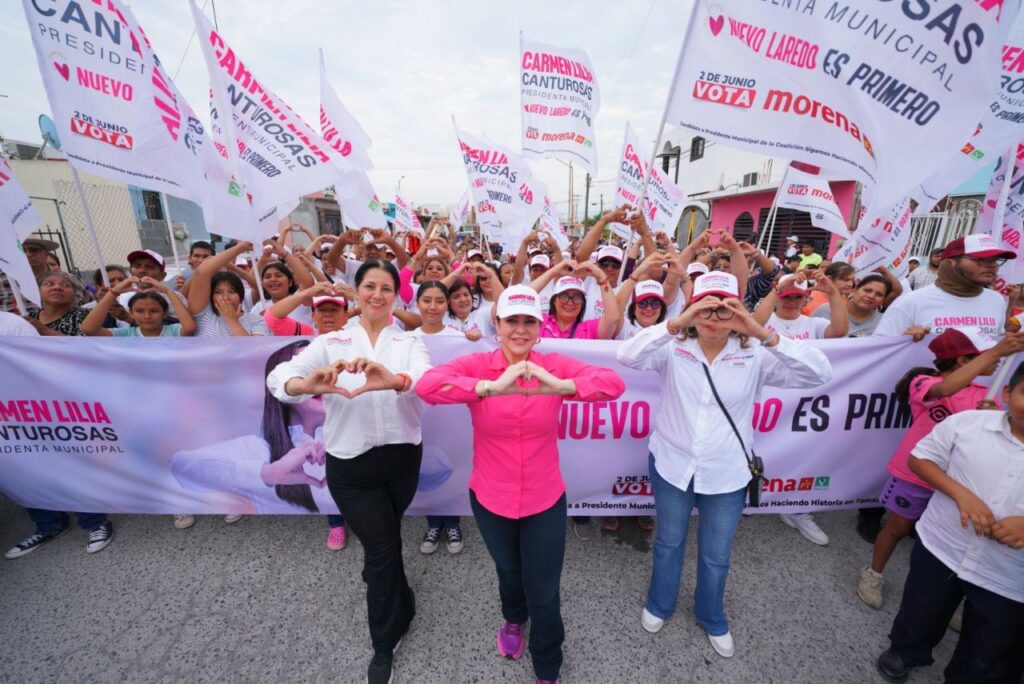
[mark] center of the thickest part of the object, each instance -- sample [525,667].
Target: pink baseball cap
[337,299]
[981,246]
[794,287]
[956,342]
[716,283]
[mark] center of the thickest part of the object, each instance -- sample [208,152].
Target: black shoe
[892,667]
[380,670]
[31,543]
[869,524]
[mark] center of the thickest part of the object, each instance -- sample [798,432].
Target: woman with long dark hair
[373,438]
[215,298]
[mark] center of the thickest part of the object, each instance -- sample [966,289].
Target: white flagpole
[102,262]
[999,379]
[996,227]
[664,117]
[22,309]
[170,230]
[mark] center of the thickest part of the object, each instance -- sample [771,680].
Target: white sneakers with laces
[804,523]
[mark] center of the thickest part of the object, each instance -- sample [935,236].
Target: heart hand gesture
[288,470]
[377,377]
[547,382]
[323,381]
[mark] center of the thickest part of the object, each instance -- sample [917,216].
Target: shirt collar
[499,362]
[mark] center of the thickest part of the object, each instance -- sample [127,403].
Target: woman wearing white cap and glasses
[712,372]
[516,489]
[568,307]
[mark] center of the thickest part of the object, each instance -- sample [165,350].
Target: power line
[188,44]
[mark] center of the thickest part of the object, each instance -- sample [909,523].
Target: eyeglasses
[609,264]
[566,297]
[650,303]
[721,313]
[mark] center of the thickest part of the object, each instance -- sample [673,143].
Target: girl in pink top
[568,306]
[934,394]
[516,489]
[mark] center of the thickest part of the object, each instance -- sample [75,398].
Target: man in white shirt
[960,297]
[924,276]
[970,547]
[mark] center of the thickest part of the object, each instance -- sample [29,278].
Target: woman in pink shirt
[516,489]
[568,306]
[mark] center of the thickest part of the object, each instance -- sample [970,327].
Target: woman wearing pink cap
[568,307]
[516,489]
[712,373]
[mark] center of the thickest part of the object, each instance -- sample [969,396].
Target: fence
[932,230]
[117,228]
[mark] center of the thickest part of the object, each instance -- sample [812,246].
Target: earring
[497,338]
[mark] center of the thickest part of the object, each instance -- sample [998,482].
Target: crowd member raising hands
[329,304]
[566,315]
[461,315]
[215,298]
[781,309]
[862,307]
[148,307]
[534,246]
[646,305]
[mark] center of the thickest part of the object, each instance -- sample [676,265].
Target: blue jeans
[51,522]
[528,554]
[719,515]
[447,522]
[335,521]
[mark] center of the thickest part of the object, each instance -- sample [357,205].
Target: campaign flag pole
[17,297]
[1004,192]
[664,117]
[769,223]
[999,379]
[170,230]
[101,262]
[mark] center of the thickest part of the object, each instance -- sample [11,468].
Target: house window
[696,148]
[750,179]
[151,205]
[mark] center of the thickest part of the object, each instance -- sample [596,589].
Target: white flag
[405,216]
[459,216]
[664,201]
[882,239]
[809,193]
[116,110]
[559,100]
[18,218]
[1005,221]
[506,207]
[882,92]
[272,154]
[339,128]
[360,206]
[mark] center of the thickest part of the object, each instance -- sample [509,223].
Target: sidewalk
[263,601]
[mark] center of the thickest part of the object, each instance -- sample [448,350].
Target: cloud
[403,69]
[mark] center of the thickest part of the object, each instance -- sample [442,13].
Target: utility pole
[571,222]
[586,201]
[602,204]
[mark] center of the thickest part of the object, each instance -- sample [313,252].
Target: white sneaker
[650,622]
[723,645]
[804,522]
[183,521]
[233,518]
[869,588]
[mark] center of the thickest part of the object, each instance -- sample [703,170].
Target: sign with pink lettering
[72,439]
[664,201]
[117,112]
[810,193]
[1002,214]
[884,93]
[882,239]
[405,216]
[559,97]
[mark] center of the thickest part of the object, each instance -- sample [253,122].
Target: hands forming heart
[530,373]
[288,469]
[324,380]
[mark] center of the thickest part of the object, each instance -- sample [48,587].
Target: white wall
[721,166]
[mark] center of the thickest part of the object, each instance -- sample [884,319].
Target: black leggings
[372,491]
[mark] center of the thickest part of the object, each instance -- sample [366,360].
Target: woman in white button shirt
[695,457]
[373,440]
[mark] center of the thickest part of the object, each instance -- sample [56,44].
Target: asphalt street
[264,601]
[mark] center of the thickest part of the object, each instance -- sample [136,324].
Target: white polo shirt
[977,449]
[354,426]
[692,438]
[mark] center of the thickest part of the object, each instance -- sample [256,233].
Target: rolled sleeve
[309,359]
[593,383]
[453,382]
[646,350]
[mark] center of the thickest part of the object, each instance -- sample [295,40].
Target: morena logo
[802,484]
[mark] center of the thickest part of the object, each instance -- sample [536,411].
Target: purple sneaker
[510,640]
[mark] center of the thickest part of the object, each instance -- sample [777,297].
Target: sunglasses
[567,297]
[609,264]
[649,303]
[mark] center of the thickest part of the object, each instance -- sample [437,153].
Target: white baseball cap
[541,260]
[792,238]
[647,289]
[519,300]
[696,267]
[474,253]
[716,283]
[241,261]
[337,299]
[610,252]
[146,254]
[566,283]
[795,286]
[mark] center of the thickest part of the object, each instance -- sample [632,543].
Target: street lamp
[398,188]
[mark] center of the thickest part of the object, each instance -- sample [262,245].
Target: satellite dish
[49,131]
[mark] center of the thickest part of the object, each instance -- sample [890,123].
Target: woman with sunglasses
[696,458]
[566,315]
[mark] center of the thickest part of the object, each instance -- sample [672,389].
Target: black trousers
[991,644]
[528,554]
[372,491]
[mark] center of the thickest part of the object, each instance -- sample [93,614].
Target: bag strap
[721,405]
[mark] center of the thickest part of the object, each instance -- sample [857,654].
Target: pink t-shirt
[515,436]
[587,330]
[928,414]
[283,327]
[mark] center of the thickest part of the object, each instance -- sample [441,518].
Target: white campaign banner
[273,155]
[559,97]
[459,215]
[664,201]
[116,111]
[18,218]
[806,192]
[882,239]
[1002,214]
[883,92]
[550,222]
[500,181]
[1000,128]
[339,128]
[405,216]
[360,206]
[71,438]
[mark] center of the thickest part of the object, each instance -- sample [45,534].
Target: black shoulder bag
[754,461]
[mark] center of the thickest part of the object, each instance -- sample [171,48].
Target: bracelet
[486,389]
[406,381]
[768,339]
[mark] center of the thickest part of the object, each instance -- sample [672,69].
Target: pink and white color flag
[18,218]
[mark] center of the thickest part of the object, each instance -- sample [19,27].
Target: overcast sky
[402,69]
